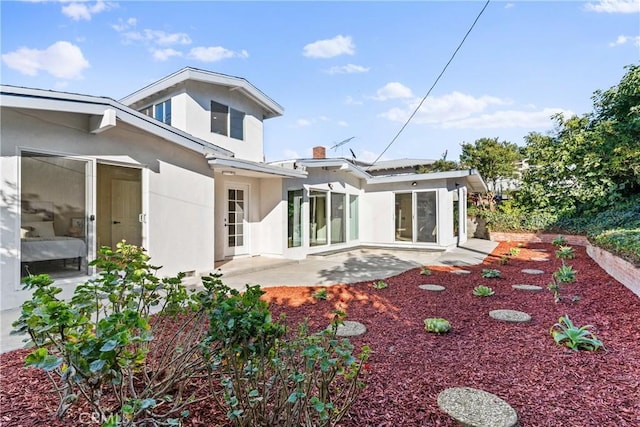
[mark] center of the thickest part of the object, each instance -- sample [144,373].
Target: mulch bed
[519,362]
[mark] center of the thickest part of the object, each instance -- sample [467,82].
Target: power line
[434,84]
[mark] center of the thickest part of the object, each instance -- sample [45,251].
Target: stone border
[618,268]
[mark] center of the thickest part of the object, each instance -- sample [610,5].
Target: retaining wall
[621,270]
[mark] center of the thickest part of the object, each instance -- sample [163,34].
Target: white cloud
[452,106]
[509,119]
[339,45]
[165,54]
[509,5]
[343,124]
[393,90]
[625,39]
[368,156]
[614,6]
[157,37]
[349,100]
[215,53]
[123,25]
[62,60]
[303,122]
[84,10]
[348,69]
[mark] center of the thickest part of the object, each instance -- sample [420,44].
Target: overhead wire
[424,98]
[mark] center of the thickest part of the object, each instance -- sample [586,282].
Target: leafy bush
[565,274]
[96,347]
[504,259]
[565,252]
[576,338]
[491,273]
[426,271]
[624,243]
[380,284]
[320,294]
[483,291]
[437,325]
[559,241]
[514,251]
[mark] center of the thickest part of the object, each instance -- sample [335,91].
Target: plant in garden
[504,259]
[564,274]
[490,273]
[380,284]
[97,346]
[426,271]
[482,291]
[320,294]
[565,252]
[437,325]
[564,332]
[514,251]
[559,241]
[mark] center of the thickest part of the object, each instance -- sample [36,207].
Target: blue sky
[342,69]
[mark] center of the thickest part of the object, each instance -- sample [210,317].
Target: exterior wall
[198,119]
[177,190]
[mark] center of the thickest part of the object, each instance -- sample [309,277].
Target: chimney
[319,152]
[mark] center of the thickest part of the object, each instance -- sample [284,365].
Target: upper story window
[227,121]
[161,111]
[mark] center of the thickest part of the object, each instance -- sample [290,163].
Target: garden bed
[519,362]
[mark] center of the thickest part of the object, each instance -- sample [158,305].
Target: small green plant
[425,271]
[380,284]
[483,291]
[576,338]
[514,251]
[437,325]
[565,252]
[559,241]
[504,259]
[490,273]
[320,294]
[565,274]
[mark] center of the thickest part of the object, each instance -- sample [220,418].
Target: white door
[235,221]
[126,207]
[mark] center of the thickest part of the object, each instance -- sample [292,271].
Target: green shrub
[576,338]
[320,294]
[483,291]
[514,251]
[559,241]
[380,284]
[491,273]
[426,271]
[437,325]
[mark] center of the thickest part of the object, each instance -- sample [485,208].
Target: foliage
[440,165]
[483,291]
[565,252]
[437,325]
[320,294]
[624,243]
[96,347]
[491,273]
[380,284]
[559,241]
[564,274]
[425,271]
[504,259]
[310,379]
[514,251]
[576,338]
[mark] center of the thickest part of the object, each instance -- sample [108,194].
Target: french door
[416,217]
[235,220]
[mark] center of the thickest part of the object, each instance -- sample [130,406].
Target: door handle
[116,222]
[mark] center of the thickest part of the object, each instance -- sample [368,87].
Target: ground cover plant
[546,383]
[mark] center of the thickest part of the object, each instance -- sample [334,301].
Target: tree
[591,162]
[440,165]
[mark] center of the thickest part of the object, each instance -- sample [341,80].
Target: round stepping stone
[350,329]
[530,288]
[532,271]
[540,250]
[434,288]
[461,272]
[539,259]
[510,315]
[476,408]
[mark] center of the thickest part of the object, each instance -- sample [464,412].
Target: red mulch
[547,385]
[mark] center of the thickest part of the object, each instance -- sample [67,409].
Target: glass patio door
[236,223]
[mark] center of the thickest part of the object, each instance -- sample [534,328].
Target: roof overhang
[474,181]
[270,107]
[335,164]
[104,113]
[231,166]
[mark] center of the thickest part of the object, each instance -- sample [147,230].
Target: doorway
[416,217]
[235,220]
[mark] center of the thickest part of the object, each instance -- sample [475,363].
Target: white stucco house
[178,168]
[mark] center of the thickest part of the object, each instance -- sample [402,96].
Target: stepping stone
[350,329]
[530,288]
[476,408]
[435,288]
[460,272]
[510,315]
[540,250]
[532,271]
[539,259]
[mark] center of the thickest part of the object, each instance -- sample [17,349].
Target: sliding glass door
[416,217]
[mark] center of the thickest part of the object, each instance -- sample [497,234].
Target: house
[178,168]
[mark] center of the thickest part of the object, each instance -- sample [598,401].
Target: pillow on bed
[25,231]
[40,229]
[33,217]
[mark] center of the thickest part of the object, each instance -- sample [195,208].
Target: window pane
[237,124]
[294,215]
[353,218]
[159,112]
[167,112]
[219,118]
[337,218]
[404,217]
[426,216]
[317,218]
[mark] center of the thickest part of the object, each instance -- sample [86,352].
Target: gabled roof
[39,99]
[270,107]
